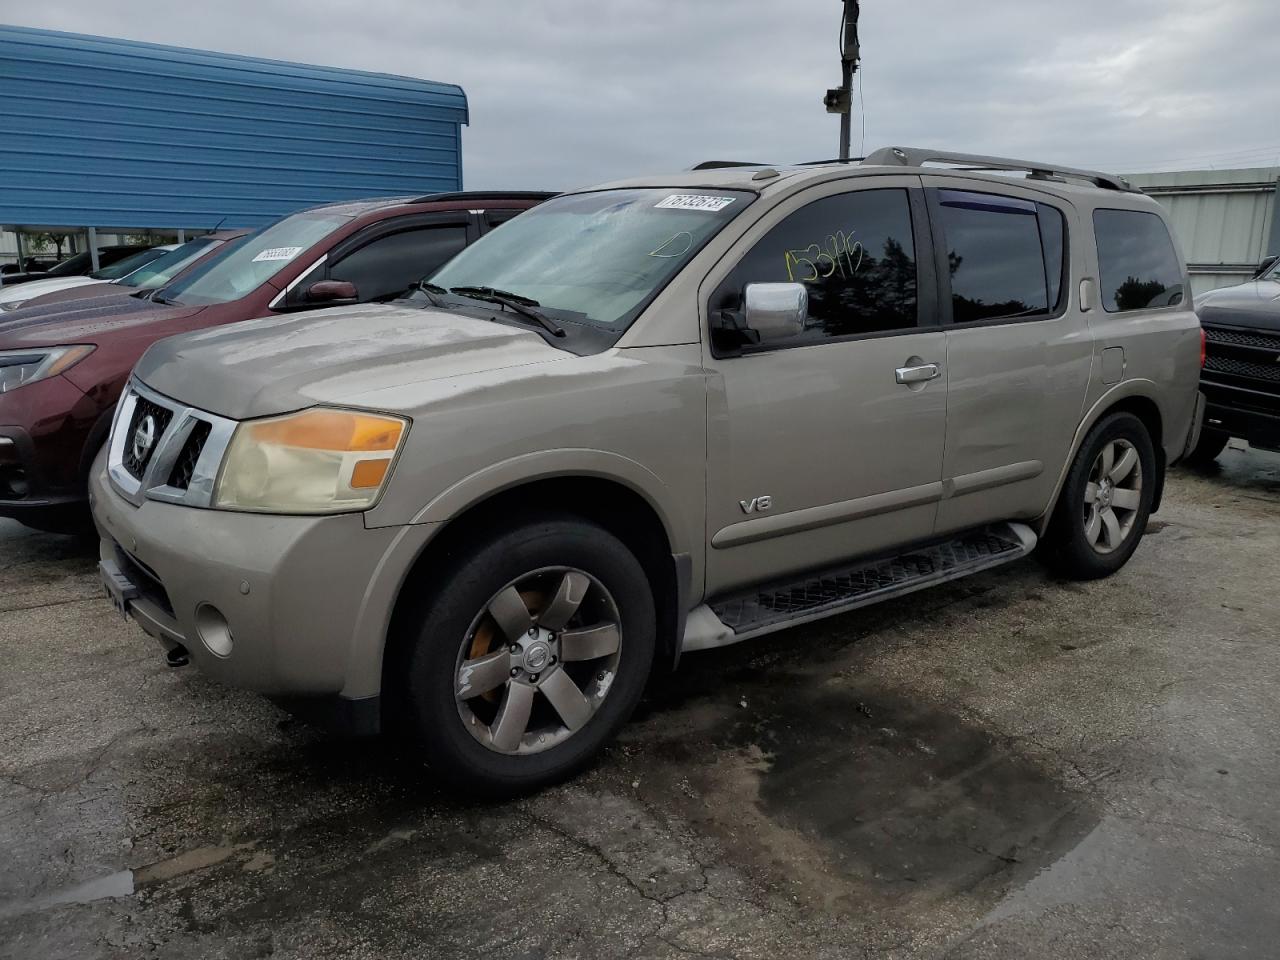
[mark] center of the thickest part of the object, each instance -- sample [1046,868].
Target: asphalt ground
[1006,766]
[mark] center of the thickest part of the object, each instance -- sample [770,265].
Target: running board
[777,606]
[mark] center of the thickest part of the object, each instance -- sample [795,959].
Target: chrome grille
[185,467]
[180,465]
[136,456]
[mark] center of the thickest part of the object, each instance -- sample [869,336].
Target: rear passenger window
[856,254]
[1005,256]
[1137,261]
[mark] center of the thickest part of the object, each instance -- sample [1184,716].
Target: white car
[13,297]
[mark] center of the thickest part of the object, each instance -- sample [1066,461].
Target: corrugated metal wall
[1225,219]
[114,133]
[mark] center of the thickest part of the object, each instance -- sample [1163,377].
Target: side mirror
[332,293]
[1264,266]
[775,311]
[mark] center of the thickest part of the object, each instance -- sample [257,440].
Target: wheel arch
[616,506]
[1132,396]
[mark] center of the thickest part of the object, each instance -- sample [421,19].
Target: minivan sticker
[277,253]
[694,201]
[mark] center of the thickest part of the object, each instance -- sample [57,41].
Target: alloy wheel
[1112,496]
[538,661]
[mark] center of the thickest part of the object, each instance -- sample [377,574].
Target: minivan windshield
[258,258]
[163,269]
[594,257]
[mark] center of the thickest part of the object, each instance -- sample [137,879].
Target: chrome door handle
[919,374]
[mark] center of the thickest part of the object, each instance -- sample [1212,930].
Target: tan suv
[647,418]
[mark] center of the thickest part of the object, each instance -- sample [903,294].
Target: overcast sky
[569,92]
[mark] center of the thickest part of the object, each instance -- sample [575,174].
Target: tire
[468,633]
[1081,542]
[1208,448]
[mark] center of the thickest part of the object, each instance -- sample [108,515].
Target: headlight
[20,367]
[12,304]
[317,461]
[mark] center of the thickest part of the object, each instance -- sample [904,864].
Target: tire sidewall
[465,590]
[1077,557]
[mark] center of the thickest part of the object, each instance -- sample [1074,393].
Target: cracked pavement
[1003,767]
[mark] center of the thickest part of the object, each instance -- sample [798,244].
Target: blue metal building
[118,134]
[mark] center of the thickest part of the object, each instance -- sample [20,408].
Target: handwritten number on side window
[839,254]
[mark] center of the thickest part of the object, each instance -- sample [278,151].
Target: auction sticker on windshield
[694,201]
[277,253]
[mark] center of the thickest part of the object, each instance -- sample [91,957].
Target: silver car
[647,418]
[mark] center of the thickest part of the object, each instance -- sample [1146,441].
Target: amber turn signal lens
[331,430]
[369,474]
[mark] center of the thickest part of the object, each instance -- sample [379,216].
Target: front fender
[547,464]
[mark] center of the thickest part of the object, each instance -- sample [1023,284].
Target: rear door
[1018,348]
[816,452]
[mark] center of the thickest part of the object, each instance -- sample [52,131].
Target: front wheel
[528,655]
[1104,505]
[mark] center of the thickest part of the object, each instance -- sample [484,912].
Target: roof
[775,178]
[116,133]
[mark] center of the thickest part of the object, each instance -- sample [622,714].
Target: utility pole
[840,99]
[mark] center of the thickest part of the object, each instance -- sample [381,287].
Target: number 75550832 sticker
[693,201]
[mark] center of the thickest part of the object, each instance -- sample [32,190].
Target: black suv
[1241,376]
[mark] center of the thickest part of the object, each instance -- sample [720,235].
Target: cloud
[569,92]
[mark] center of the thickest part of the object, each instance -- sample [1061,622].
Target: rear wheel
[1209,447]
[528,656]
[1104,505]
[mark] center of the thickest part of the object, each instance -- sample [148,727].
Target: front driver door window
[386,267]
[848,459]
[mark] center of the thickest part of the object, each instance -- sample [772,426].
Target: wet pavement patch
[887,797]
[899,793]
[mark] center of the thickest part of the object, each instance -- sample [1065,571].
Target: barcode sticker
[694,201]
[277,253]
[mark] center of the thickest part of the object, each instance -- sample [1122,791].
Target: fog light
[13,483]
[214,632]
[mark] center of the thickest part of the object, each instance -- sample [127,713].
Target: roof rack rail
[824,163]
[484,195]
[722,164]
[919,156]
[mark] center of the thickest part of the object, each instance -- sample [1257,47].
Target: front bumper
[306,601]
[43,430]
[1247,414]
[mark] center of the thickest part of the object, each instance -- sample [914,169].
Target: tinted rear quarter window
[1138,266]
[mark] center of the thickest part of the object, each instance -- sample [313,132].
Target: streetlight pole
[840,99]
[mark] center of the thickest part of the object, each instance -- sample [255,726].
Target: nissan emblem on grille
[144,438]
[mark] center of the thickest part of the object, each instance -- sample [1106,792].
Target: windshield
[595,257]
[164,268]
[129,264]
[254,261]
[71,267]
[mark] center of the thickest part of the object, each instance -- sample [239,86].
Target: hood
[1253,304]
[276,365]
[34,288]
[80,321]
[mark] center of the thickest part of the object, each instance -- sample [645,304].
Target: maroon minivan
[62,366]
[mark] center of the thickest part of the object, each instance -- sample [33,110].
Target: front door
[817,449]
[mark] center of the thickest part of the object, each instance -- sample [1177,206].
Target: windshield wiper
[512,301]
[433,291]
